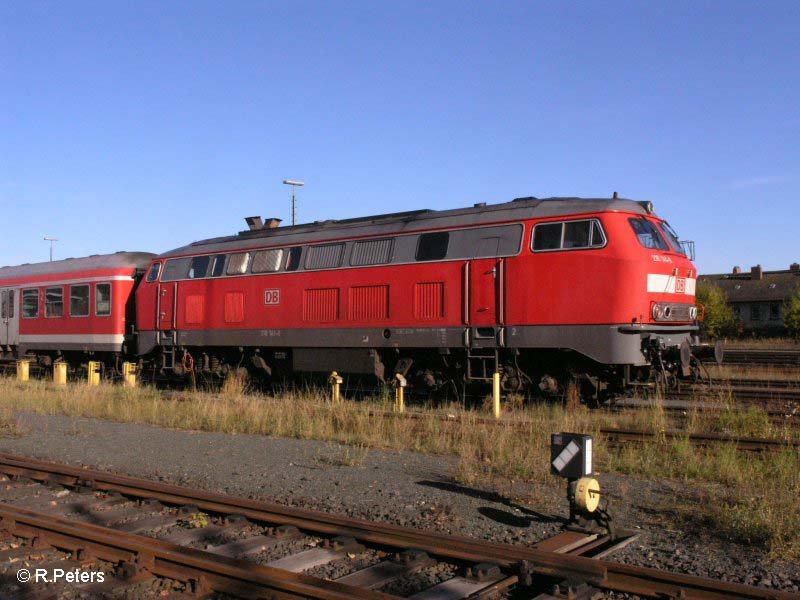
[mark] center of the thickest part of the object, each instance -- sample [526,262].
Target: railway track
[56,520]
[783,358]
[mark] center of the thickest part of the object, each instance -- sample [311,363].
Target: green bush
[720,319]
[791,314]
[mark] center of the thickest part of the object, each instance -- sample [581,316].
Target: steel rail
[207,571]
[531,562]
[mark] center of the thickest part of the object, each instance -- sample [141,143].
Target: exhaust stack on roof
[254,223]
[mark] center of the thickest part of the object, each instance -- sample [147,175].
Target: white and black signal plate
[571,455]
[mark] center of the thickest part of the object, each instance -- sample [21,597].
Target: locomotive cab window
[79,301]
[670,234]
[152,275]
[568,235]
[54,302]
[30,304]
[648,234]
[102,299]
[433,246]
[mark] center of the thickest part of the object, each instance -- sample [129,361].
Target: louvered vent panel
[321,305]
[234,307]
[325,256]
[195,309]
[429,301]
[369,303]
[372,252]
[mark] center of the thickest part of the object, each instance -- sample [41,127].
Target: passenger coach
[70,308]
[600,290]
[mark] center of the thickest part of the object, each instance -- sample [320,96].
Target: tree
[791,314]
[719,318]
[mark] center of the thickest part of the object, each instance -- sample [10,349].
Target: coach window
[4,305]
[218,266]
[547,236]
[198,267]
[102,299]
[237,265]
[30,304]
[79,301]
[267,261]
[433,246]
[293,258]
[54,302]
[152,275]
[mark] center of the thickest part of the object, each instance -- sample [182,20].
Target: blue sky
[146,125]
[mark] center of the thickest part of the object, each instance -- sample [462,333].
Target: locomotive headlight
[658,312]
[693,312]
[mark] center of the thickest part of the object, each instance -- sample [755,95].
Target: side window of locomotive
[547,236]
[238,263]
[577,234]
[30,304]
[152,275]
[4,305]
[198,267]
[54,302]
[433,246]
[267,261]
[79,301]
[648,234]
[293,259]
[324,256]
[175,268]
[102,299]
[217,266]
[372,252]
[598,235]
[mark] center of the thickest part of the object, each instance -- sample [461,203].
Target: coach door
[167,305]
[9,317]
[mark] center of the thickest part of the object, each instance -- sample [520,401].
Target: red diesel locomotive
[537,289]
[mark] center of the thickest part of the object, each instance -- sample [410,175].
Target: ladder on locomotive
[168,349]
[482,363]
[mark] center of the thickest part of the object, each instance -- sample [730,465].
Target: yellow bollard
[399,393]
[60,373]
[496,395]
[23,369]
[129,374]
[94,373]
[335,380]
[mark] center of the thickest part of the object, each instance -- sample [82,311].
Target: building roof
[118,260]
[409,221]
[757,285]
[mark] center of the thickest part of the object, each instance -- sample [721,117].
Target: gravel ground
[400,487]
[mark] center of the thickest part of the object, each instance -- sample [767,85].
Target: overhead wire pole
[52,240]
[295,184]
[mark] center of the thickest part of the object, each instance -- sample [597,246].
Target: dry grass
[757,501]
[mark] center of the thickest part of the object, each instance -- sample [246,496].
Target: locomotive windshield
[672,237]
[648,234]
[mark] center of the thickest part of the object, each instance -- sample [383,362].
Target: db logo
[680,285]
[272,297]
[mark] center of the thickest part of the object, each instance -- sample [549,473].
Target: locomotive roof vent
[479,204]
[254,223]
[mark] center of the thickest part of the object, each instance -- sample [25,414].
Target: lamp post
[295,185]
[52,240]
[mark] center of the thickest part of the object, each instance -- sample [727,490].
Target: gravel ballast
[404,488]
